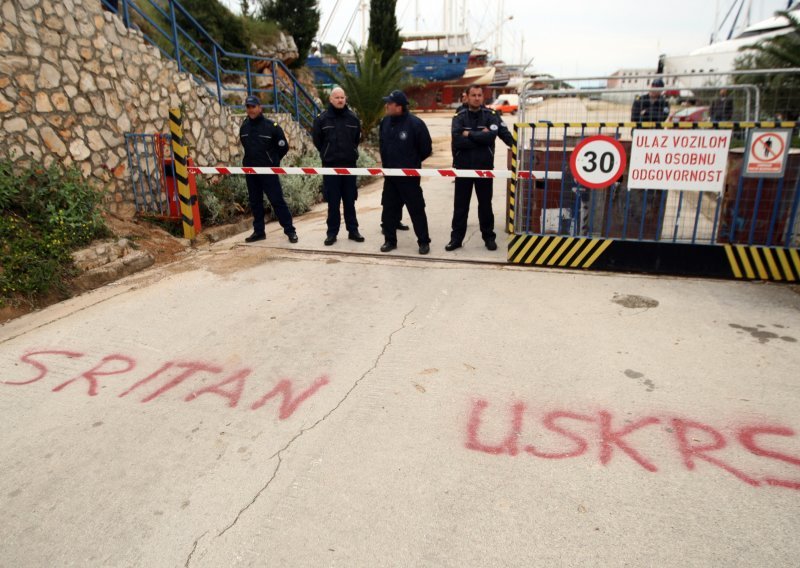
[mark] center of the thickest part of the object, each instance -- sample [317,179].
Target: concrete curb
[102,275]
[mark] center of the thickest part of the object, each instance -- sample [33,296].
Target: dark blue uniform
[647,206]
[475,152]
[336,134]
[405,143]
[647,109]
[264,146]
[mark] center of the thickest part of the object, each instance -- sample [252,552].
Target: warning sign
[597,162]
[681,160]
[767,153]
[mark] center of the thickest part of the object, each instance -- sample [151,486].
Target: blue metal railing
[150,163]
[196,52]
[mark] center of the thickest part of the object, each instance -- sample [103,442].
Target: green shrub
[303,192]
[45,213]
[223,200]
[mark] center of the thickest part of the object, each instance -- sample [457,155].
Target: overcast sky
[565,37]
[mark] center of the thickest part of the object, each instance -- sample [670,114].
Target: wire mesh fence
[150,162]
[745,210]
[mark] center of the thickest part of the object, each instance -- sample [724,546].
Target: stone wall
[74,80]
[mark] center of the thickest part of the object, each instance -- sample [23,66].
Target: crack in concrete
[194,547]
[304,430]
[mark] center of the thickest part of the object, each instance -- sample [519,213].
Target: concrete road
[303,405]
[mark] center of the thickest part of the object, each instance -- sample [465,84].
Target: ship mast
[498,38]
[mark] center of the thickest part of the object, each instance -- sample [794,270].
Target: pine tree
[245,7]
[300,18]
[384,35]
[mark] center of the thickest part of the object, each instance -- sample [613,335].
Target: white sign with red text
[681,160]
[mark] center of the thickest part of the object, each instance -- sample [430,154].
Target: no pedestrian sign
[767,153]
[597,162]
[680,160]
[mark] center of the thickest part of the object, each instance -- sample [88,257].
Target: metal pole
[175,34]
[126,19]
[249,78]
[274,86]
[217,77]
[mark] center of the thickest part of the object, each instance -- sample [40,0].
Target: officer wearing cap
[652,107]
[646,205]
[473,134]
[336,133]
[404,143]
[264,146]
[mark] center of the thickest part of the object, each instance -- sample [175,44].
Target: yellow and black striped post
[181,155]
[512,195]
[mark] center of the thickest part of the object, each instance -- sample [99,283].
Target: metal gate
[748,230]
[152,170]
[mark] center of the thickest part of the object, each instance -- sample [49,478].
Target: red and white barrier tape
[401,172]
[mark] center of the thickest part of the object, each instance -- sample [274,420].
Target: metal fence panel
[152,173]
[752,211]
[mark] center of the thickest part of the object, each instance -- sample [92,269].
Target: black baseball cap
[657,83]
[252,100]
[397,97]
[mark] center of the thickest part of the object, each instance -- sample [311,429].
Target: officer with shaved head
[336,134]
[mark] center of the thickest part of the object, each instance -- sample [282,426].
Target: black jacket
[645,109]
[336,134]
[405,141]
[721,109]
[264,142]
[476,151]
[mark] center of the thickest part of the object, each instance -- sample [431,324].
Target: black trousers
[340,189]
[257,186]
[461,200]
[398,191]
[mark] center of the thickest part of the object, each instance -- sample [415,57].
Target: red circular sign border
[777,154]
[614,142]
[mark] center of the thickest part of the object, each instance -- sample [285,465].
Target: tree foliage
[383,32]
[780,92]
[300,18]
[369,83]
[220,23]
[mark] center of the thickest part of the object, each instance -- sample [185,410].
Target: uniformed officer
[336,134]
[264,146]
[652,107]
[473,134]
[647,203]
[404,143]
[722,107]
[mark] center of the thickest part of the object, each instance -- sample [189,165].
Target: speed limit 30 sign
[597,162]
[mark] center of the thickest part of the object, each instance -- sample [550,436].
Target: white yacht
[721,54]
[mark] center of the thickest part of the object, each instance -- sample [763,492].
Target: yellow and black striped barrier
[739,262]
[564,252]
[667,125]
[763,263]
[181,155]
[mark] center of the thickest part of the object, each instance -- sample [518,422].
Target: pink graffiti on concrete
[578,432]
[117,370]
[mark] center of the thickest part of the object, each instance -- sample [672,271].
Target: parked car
[505,104]
[691,114]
